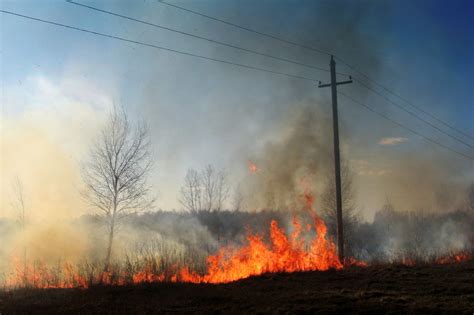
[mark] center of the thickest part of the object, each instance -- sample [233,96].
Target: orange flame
[39,275]
[298,251]
[256,258]
[252,167]
[282,255]
[454,258]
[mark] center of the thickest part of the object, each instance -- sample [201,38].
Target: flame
[454,258]
[306,248]
[40,275]
[252,167]
[284,254]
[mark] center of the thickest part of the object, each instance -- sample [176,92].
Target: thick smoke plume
[297,158]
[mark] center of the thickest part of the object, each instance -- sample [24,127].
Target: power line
[412,113]
[403,126]
[246,28]
[404,99]
[159,47]
[216,60]
[274,57]
[202,38]
[286,41]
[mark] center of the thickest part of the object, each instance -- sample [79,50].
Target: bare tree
[349,212]
[209,186]
[191,192]
[116,173]
[205,190]
[216,186]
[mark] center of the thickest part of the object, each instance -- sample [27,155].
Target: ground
[385,288]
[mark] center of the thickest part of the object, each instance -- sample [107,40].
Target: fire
[284,254]
[252,167]
[39,275]
[454,258]
[306,248]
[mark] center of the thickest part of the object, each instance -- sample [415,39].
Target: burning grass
[304,249]
[387,288]
[284,254]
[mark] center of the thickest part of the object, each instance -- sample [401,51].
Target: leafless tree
[191,192]
[116,173]
[216,188]
[205,190]
[209,186]
[349,212]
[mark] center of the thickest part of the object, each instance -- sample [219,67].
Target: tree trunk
[25,268]
[109,245]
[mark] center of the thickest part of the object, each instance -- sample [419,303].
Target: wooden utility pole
[337,159]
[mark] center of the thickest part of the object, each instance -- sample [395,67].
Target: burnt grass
[377,289]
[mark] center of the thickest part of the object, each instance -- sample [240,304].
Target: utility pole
[337,159]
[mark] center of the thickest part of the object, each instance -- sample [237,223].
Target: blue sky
[202,112]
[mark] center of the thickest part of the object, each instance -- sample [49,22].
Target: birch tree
[116,173]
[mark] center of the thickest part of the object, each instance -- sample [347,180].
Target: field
[447,288]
